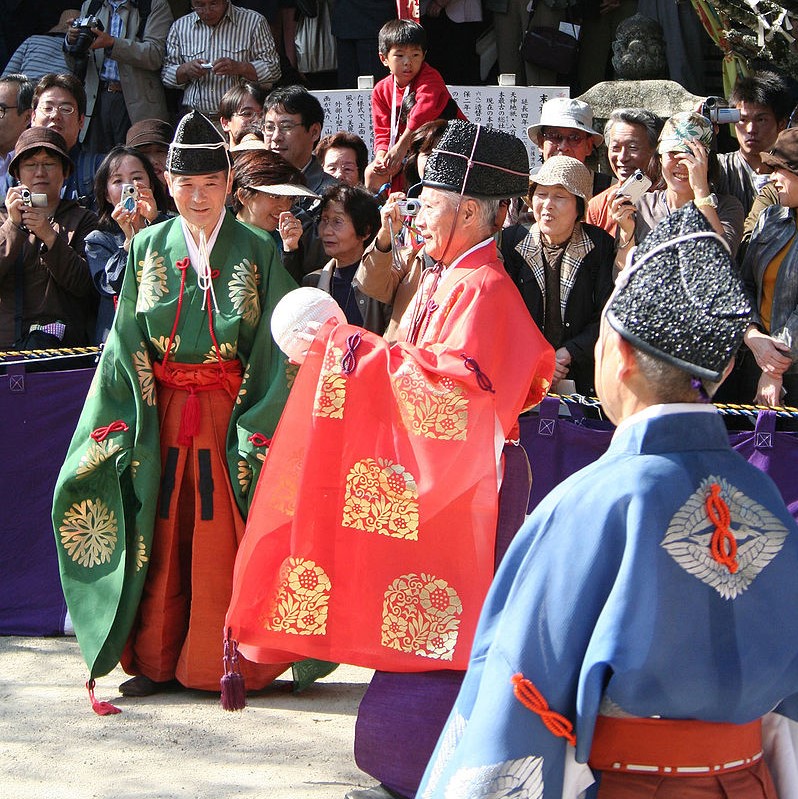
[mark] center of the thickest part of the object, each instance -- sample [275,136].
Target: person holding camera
[46,296]
[689,168]
[209,50]
[349,220]
[123,46]
[129,197]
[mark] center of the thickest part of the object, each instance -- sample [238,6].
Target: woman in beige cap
[562,267]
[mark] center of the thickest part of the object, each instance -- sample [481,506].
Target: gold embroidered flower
[302,599]
[227,350]
[438,598]
[419,616]
[242,392]
[431,406]
[307,578]
[243,291]
[244,475]
[97,453]
[88,532]
[141,553]
[162,342]
[143,367]
[151,277]
[134,467]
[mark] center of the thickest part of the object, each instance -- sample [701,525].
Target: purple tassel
[234,692]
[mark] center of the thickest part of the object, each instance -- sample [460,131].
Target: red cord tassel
[101,708]
[234,692]
[189,420]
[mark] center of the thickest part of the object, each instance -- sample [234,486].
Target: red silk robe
[371,534]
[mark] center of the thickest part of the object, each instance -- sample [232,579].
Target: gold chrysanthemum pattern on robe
[432,407]
[96,453]
[227,350]
[141,553]
[162,342]
[242,392]
[381,497]
[244,475]
[419,616]
[88,532]
[243,291]
[143,367]
[331,390]
[302,599]
[151,276]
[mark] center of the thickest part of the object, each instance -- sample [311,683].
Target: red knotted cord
[529,696]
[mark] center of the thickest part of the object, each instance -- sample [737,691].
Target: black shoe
[377,792]
[144,686]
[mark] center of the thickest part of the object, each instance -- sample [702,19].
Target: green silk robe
[107,492]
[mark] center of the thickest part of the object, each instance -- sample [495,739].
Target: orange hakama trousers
[179,629]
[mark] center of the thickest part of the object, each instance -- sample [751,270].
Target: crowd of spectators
[564,244]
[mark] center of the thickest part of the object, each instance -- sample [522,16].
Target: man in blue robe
[643,621]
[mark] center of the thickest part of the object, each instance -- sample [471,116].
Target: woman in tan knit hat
[562,267]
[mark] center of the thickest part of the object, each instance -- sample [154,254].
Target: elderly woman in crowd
[562,267]
[265,186]
[688,167]
[348,223]
[343,155]
[770,273]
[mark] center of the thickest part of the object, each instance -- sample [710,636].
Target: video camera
[77,43]
[717,110]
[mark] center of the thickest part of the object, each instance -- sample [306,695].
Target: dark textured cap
[680,299]
[478,161]
[33,139]
[198,148]
[784,152]
[150,131]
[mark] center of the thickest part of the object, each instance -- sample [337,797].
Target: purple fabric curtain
[38,414]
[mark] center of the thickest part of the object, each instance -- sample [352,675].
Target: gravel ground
[179,744]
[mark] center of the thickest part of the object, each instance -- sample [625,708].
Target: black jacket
[585,287]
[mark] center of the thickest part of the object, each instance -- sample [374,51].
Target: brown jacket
[57,282]
[378,278]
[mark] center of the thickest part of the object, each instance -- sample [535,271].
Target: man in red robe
[371,538]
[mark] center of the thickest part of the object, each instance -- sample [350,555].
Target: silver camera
[409,207]
[130,195]
[635,186]
[33,199]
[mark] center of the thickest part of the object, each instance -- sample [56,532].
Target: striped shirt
[241,35]
[38,55]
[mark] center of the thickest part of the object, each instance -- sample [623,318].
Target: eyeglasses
[47,166]
[63,108]
[247,113]
[3,109]
[557,138]
[269,128]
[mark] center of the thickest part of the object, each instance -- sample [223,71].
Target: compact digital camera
[409,207]
[715,109]
[130,195]
[635,186]
[33,199]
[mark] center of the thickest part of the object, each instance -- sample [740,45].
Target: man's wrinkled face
[628,149]
[565,141]
[12,122]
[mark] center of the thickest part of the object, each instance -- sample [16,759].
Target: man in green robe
[150,504]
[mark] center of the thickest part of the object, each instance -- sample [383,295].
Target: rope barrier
[20,356]
[725,409]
